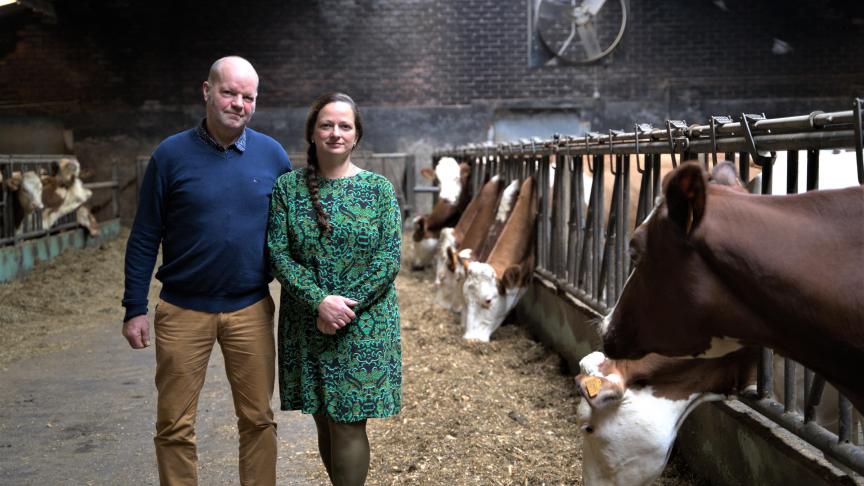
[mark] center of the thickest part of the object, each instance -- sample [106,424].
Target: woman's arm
[381,272]
[295,278]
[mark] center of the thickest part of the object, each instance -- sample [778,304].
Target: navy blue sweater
[208,208]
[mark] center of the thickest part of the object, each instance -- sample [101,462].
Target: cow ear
[685,195]
[419,228]
[598,391]
[14,182]
[511,278]
[451,259]
[464,172]
[427,173]
[724,174]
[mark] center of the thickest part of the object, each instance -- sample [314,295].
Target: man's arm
[141,251]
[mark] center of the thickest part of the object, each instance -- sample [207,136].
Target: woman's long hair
[312,155]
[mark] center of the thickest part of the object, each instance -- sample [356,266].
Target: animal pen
[22,246]
[581,251]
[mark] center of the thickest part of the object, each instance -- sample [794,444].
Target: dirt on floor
[501,413]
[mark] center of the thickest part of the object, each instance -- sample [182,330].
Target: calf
[467,235]
[26,191]
[492,289]
[483,228]
[631,411]
[60,201]
[454,195]
[717,267]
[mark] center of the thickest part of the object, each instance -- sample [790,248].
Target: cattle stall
[31,239]
[582,230]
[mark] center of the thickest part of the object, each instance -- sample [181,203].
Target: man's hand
[137,331]
[334,313]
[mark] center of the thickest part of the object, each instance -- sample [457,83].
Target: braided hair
[312,155]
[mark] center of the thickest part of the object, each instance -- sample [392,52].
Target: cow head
[452,179]
[673,291]
[488,298]
[66,171]
[29,187]
[423,244]
[450,270]
[449,294]
[631,411]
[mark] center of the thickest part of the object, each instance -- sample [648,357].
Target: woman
[334,239]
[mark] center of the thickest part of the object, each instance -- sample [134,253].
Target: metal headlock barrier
[31,226]
[583,253]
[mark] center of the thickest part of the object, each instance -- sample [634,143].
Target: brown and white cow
[26,192]
[493,288]
[718,267]
[61,197]
[466,235]
[631,411]
[453,180]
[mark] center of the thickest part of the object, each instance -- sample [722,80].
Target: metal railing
[32,225]
[581,251]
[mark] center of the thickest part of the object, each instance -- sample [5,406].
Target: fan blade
[588,39]
[591,7]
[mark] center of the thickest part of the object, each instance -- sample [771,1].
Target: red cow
[717,267]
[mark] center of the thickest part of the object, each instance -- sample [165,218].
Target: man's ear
[205,89]
[684,189]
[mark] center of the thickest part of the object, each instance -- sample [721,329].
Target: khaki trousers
[184,340]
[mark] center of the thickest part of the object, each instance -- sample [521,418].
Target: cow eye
[634,254]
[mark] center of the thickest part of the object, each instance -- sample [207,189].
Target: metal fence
[581,237]
[31,226]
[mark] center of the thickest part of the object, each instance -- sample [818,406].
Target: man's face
[231,99]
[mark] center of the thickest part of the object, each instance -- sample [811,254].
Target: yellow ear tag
[592,385]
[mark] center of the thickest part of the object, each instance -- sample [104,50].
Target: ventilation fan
[579,32]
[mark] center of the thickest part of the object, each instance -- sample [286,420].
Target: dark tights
[344,449]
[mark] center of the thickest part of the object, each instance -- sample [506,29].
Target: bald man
[204,198]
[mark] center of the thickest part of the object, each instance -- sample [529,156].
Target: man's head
[230,93]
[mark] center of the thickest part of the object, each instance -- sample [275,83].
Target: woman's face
[335,133]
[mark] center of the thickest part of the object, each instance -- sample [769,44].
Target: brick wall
[427,72]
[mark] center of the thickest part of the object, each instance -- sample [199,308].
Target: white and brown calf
[493,288]
[453,180]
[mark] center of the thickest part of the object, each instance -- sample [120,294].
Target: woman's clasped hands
[334,313]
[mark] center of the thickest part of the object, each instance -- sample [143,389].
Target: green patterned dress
[357,373]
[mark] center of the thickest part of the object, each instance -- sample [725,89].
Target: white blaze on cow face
[626,440]
[30,193]
[448,174]
[485,308]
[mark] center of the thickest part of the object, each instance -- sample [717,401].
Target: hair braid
[312,185]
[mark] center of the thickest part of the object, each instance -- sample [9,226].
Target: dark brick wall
[428,72]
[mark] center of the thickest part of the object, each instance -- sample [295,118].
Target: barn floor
[77,405]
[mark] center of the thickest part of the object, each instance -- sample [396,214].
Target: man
[205,198]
